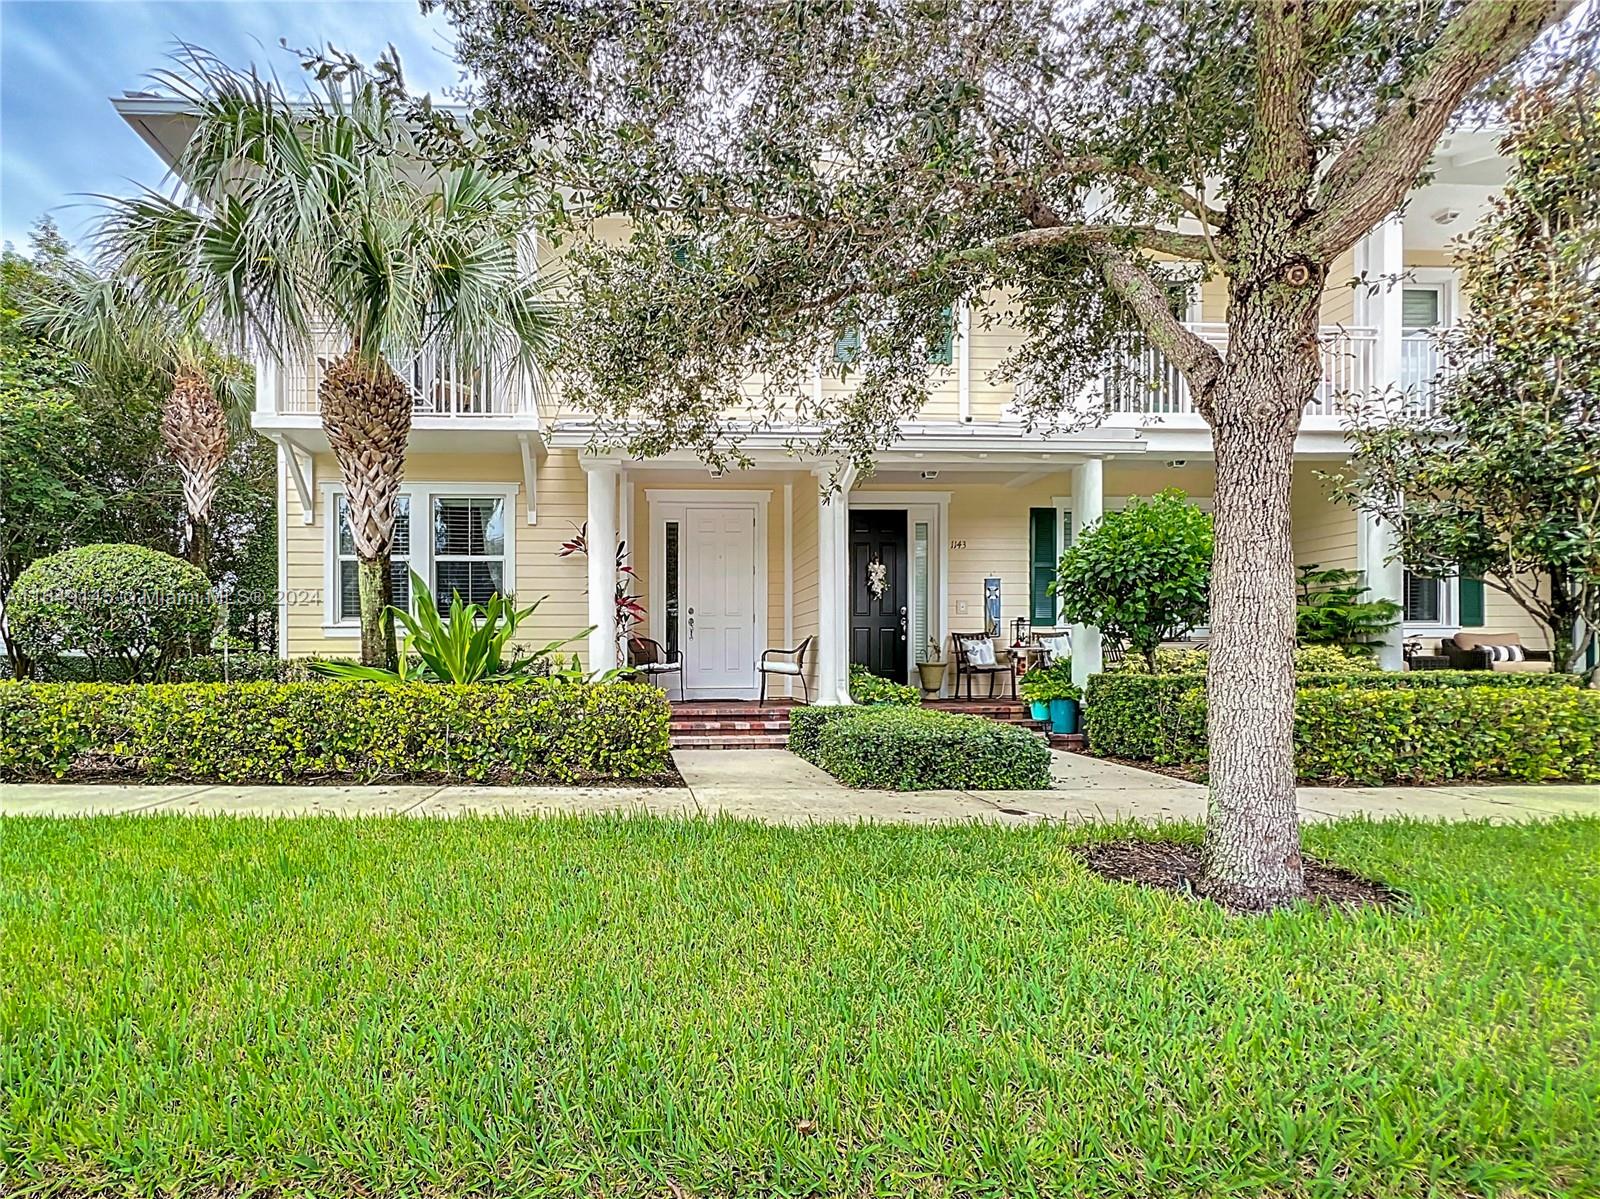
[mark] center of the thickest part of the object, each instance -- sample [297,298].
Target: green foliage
[1499,479]
[469,647]
[1170,659]
[1142,575]
[1423,727]
[1045,683]
[1332,659]
[81,457]
[541,730]
[868,688]
[806,725]
[399,992]
[123,607]
[1332,609]
[898,748]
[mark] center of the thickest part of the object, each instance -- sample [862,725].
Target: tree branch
[1195,357]
[1372,175]
[1150,237]
[1160,184]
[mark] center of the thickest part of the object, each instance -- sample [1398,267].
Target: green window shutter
[1470,598]
[848,347]
[943,352]
[1042,559]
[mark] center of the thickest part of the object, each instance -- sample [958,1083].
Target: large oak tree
[803,171]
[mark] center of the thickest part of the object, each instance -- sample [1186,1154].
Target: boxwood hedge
[538,731]
[899,748]
[1423,727]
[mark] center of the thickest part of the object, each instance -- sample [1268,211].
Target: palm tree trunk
[366,413]
[195,432]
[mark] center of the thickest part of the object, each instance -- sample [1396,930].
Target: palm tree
[114,328]
[323,218]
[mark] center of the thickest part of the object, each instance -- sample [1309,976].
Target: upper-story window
[1422,307]
[847,348]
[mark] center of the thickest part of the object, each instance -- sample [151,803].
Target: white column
[833,582]
[1386,266]
[1378,555]
[602,535]
[1088,502]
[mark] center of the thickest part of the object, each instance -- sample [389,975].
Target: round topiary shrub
[130,611]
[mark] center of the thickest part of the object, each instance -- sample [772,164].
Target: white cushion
[658,667]
[980,653]
[1059,646]
[781,667]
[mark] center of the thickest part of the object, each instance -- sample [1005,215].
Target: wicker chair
[788,662]
[967,668]
[650,659]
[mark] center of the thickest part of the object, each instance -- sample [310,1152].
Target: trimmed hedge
[898,748]
[538,731]
[1424,727]
[868,688]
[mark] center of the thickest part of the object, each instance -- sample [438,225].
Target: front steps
[736,724]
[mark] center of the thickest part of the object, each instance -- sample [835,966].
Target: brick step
[730,726]
[731,711]
[730,741]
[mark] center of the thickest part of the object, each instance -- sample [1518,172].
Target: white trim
[530,476]
[705,495]
[1443,279]
[420,559]
[283,554]
[668,503]
[964,361]
[788,578]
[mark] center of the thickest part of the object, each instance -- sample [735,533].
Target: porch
[880,572]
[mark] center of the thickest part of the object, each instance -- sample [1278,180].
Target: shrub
[1422,727]
[1333,608]
[301,732]
[1334,659]
[905,749]
[868,688]
[130,611]
[1141,575]
[806,725]
[1172,659]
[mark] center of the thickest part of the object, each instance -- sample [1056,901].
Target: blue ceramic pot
[1039,709]
[1063,716]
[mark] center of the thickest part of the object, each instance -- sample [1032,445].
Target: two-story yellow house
[956,530]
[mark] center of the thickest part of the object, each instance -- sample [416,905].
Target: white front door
[719,609]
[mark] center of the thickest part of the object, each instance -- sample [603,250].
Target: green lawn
[615,1007]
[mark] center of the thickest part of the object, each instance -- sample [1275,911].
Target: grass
[618,1007]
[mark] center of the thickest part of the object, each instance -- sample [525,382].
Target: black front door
[879,599]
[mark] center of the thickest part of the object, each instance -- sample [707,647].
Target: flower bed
[899,748]
[265,732]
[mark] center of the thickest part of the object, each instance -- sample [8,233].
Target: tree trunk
[1251,858]
[194,430]
[366,413]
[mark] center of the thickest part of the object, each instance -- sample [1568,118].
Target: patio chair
[651,659]
[790,662]
[976,656]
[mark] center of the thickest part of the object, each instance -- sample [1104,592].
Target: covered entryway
[708,582]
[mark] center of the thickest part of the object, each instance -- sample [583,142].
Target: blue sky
[61,60]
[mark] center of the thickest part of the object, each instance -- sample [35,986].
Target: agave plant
[468,647]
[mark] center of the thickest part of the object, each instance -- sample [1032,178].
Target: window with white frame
[469,549]
[347,597]
[1427,601]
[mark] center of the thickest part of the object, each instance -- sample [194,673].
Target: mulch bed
[1174,865]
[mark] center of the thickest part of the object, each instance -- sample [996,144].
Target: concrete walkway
[777,787]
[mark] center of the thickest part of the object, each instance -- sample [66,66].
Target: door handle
[902,622]
[691,624]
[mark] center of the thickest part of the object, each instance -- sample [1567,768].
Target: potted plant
[1035,692]
[1052,688]
[931,669]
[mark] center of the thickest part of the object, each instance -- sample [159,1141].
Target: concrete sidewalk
[779,788]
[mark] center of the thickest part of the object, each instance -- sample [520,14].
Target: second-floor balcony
[1147,383]
[441,385]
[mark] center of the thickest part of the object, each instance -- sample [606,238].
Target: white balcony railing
[1147,383]
[1422,367]
[440,384]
